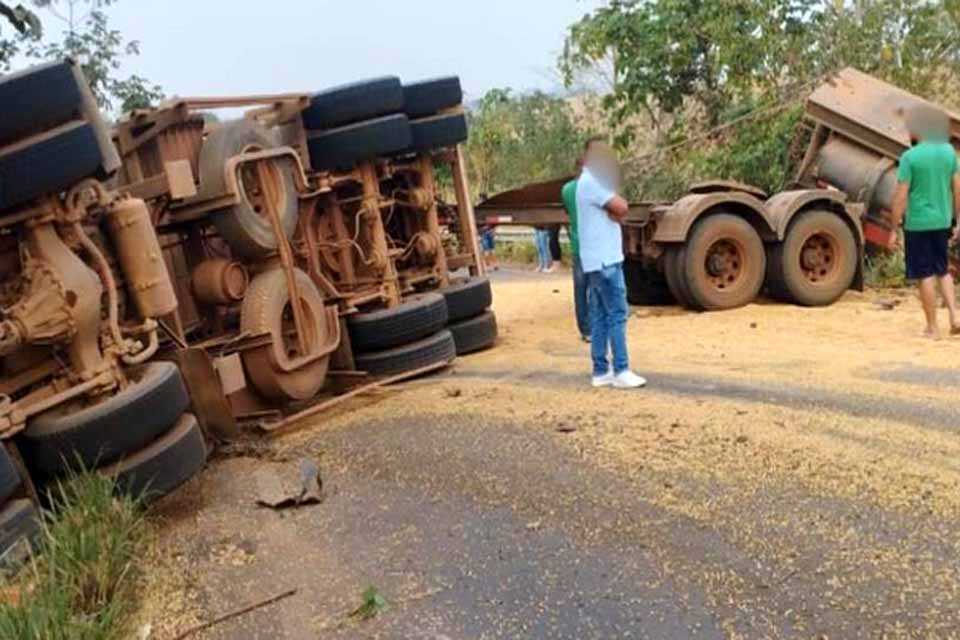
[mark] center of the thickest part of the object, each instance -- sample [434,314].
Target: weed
[885,270]
[373,605]
[81,582]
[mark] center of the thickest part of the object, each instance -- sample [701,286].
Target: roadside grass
[81,582]
[885,271]
[524,252]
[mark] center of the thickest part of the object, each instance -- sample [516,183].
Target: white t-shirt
[601,239]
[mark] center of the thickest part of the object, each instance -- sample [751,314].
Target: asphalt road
[505,499]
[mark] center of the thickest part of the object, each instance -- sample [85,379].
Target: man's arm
[618,208]
[900,198]
[956,206]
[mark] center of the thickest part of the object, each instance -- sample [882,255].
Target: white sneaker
[628,380]
[606,380]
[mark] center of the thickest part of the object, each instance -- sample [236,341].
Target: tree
[88,38]
[25,24]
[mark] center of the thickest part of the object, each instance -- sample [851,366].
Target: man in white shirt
[600,212]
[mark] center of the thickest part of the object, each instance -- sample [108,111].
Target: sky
[229,47]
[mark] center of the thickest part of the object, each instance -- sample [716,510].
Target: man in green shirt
[569,194]
[926,202]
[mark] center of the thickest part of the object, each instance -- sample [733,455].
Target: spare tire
[60,439]
[50,165]
[38,98]
[425,98]
[245,226]
[475,334]
[344,147]
[163,465]
[417,317]
[437,349]
[438,132]
[354,102]
[467,298]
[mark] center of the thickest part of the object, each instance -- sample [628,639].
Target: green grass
[525,252]
[373,604]
[81,583]
[886,271]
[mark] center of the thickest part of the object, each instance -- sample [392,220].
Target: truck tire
[59,440]
[438,132]
[724,263]
[467,298]
[646,287]
[19,533]
[416,318]
[817,261]
[164,464]
[344,147]
[40,169]
[245,226]
[9,475]
[266,310]
[38,98]
[437,349]
[475,334]
[425,98]
[676,278]
[353,102]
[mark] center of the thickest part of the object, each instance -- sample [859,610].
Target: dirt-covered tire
[266,310]
[475,334]
[164,464]
[354,102]
[425,98]
[817,261]
[19,533]
[245,226]
[60,439]
[415,318]
[437,349]
[673,261]
[37,99]
[9,475]
[344,147]
[467,298]
[646,287]
[438,132]
[724,263]
[40,169]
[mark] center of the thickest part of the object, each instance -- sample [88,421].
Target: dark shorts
[926,253]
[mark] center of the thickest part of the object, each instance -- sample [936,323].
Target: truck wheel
[58,440]
[421,99]
[475,334]
[39,168]
[354,102]
[266,310]
[438,348]
[38,98]
[438,132]
[467,298]
[817,261]
[163,465]
[245,226]
[646,287]
[9,474]
[344,147]
[19,532]
[673,261]
[418,317]
[724,263]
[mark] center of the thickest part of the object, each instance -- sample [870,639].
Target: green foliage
[81,584]
[515,140]
[24,23]
[373,604]
[885,270]
[88,38]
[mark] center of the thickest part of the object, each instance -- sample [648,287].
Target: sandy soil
[789,473]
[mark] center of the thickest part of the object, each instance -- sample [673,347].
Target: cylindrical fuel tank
[140,257]
[219,282]
[859,172]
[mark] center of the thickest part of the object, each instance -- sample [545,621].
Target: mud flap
[207,395]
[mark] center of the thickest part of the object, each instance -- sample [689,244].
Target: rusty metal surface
[784,206]
[713,186]
[676,221]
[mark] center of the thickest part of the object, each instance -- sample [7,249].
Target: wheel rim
[253,190]
[820,258]
[725,264]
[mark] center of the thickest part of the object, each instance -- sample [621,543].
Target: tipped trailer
[721,244]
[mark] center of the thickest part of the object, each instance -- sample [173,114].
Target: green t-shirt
[569,194]
[929,168]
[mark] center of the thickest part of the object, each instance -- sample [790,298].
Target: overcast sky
[208,47]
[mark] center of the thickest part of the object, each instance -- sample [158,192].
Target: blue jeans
[544,261]
[607,294]
[580,297]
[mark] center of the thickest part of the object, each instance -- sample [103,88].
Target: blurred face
[928,123]
[602,163]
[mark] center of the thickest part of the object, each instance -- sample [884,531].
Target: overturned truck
[720,245]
